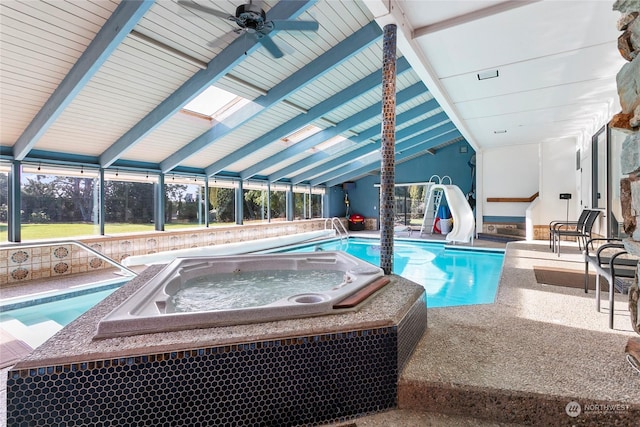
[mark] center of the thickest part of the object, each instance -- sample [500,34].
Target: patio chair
[553,225]
[582,234]
[401,228]
[612,262]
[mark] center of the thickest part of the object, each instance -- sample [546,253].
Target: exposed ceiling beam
[224,62]
[365,169]
[328,170]
[339,53]
[471,16]
[362,116]
[112,33]
[169,49]
[372,132]
[362,86]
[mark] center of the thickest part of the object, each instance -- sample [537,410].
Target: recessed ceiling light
[500,131]
[486,75]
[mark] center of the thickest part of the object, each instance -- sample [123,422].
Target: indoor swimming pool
[451,276]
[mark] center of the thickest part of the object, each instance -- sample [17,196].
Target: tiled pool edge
[347,370]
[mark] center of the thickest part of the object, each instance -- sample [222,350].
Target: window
[301,202]
[216,103]
[184,202]
[129,202]
[4,201]
[615,216]
[409,199]
[300,134]
[278,202]
[255,201]
[410,202]
[58,202]
[307,204]
[222,206]
[316,205]
[599,158]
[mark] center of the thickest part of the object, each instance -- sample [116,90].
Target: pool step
[12,349]
[33,335]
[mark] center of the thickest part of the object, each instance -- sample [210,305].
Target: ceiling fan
[252,22]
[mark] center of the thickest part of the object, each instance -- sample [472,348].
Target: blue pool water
[60,311]
[450,276]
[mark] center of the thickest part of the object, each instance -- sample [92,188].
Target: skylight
[211,101]
[300,134]
[332,142]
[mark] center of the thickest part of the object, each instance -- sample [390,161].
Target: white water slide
[464,224]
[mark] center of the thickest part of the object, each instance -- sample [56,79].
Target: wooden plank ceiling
[103,83]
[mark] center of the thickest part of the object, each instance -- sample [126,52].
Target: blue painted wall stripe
[504,219]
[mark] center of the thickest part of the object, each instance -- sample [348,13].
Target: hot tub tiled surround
[19,264]
[288,372]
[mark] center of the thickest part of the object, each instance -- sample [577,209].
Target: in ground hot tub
[218,291]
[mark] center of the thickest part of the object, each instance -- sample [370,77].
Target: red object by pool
[356,222]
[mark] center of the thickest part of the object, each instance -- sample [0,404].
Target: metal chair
[553,225]
[580,233]
[609,263]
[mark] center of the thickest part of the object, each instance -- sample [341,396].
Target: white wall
[557,175]
[511,171]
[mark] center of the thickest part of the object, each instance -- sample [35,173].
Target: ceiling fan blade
[195,6]
[273,49]
[286,47]
[292,25]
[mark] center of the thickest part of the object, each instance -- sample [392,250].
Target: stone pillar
[387,152]
[628,121]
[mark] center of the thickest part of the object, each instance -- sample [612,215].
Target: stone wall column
[628,121]
[387,167]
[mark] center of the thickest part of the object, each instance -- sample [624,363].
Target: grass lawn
[70,230]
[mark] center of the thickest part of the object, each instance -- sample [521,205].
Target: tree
[4,197]
[76,195]
[416,193]
[128,202]
[174,193]
[255,204]
[222,204]
[38,199]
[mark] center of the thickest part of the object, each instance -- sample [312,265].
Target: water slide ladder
[432,200]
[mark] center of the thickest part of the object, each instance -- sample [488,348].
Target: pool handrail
[340,229]
[440,179]
[124,270]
